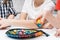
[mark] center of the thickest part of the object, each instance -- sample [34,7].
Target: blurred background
[18,4]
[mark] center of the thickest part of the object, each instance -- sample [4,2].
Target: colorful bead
[15,30]
[38,21]
[20,33]
[39,25]
[38,34]
[27,32]
[23,30]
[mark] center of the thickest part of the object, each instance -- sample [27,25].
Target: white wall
[18,4]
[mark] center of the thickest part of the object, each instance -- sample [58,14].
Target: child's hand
[57,33]
[47,26]
[44,23]
[42,19]
[4,26]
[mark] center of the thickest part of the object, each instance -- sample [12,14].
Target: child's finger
[47,26]
[39,17]
[3,28]
[57,33]
[43,20]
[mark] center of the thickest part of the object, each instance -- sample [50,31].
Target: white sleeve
[49,6]
[25,6]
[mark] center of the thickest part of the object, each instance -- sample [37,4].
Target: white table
[3,36]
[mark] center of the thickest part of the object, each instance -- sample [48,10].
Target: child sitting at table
[33,9]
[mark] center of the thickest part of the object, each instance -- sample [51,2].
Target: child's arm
[58,15]
[11,16]
[44,21]
[25,23]
[3,26]
[51,19]
[23,16]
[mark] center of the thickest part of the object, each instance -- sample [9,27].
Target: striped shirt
[6,9]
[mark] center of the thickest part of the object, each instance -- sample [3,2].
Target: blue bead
[17,32]
[27,32]
[39,25]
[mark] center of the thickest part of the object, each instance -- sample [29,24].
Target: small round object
[20,33]
[23,30]
[38,21]
[32,31]
[38,34]
[39,25]
[15,30]
[27,32]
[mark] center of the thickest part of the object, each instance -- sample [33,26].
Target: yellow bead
[33,31]
[15,30]
[38,21]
